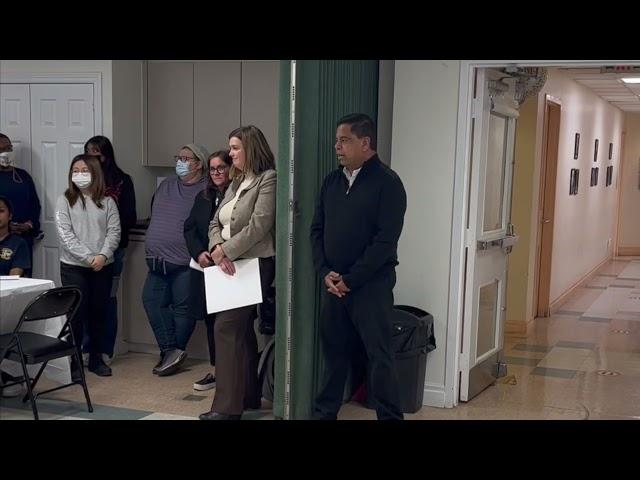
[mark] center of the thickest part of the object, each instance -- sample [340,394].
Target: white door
[15,121]
[488,236]
[62,120]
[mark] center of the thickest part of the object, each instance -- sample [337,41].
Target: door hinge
[476,107]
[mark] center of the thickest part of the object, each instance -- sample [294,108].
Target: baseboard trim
[518,328]
[628,251]
[143,348]
[553,307]
[433,396]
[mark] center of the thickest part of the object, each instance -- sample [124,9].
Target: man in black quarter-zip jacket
[354,237]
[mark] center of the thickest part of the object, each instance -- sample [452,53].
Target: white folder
[195,265]
[224,292]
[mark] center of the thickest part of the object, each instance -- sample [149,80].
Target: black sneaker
[171,363]
[15,390]
[155,369]
[207,383]
[97,366]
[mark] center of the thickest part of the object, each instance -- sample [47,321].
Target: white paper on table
[225,292]
[195,265]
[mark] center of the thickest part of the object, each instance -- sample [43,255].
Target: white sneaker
[207,383]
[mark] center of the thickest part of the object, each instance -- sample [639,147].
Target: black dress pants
[91,313]
[364,313]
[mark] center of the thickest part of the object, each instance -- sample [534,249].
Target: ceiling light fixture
[631,80]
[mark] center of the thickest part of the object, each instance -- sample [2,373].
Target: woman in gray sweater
[88,227]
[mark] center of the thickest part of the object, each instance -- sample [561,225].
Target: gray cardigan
[252,221]
[83,234]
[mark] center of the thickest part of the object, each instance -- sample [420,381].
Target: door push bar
[505,242]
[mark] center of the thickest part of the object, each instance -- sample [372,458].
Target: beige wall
[127,132]
[629,221]
[584,224]
[423,154]
[520,277]
[386,71]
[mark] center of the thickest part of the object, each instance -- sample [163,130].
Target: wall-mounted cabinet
[201,102]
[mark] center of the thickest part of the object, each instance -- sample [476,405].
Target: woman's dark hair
[97,187]
[210,191]
[112,173]
[7,203]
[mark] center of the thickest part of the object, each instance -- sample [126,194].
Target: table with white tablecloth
[15,295]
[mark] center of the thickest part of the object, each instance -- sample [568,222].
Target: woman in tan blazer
[243,227]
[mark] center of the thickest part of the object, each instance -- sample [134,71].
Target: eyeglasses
[184,159]
[219,170]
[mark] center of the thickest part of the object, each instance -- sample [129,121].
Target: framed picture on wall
[576,146]
[610,151]
[574,179]
[595,150]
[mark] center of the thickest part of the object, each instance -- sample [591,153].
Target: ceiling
[609,86]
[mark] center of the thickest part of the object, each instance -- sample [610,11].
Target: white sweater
[83,234]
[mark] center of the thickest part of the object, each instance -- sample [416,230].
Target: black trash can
[412,339]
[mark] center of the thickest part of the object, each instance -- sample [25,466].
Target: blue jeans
[166,299]
[111,326]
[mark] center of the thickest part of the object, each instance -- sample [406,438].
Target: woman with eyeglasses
[242,228]
[167,291]
[196,233]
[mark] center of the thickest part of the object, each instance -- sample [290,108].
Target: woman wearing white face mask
[88,227]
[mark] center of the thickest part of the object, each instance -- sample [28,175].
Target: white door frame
[93,78]
[461,180]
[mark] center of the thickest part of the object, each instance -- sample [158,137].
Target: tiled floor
[581,363]
[132,393]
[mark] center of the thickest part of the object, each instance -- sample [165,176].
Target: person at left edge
[18,186]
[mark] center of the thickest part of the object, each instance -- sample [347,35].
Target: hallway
[581,363]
